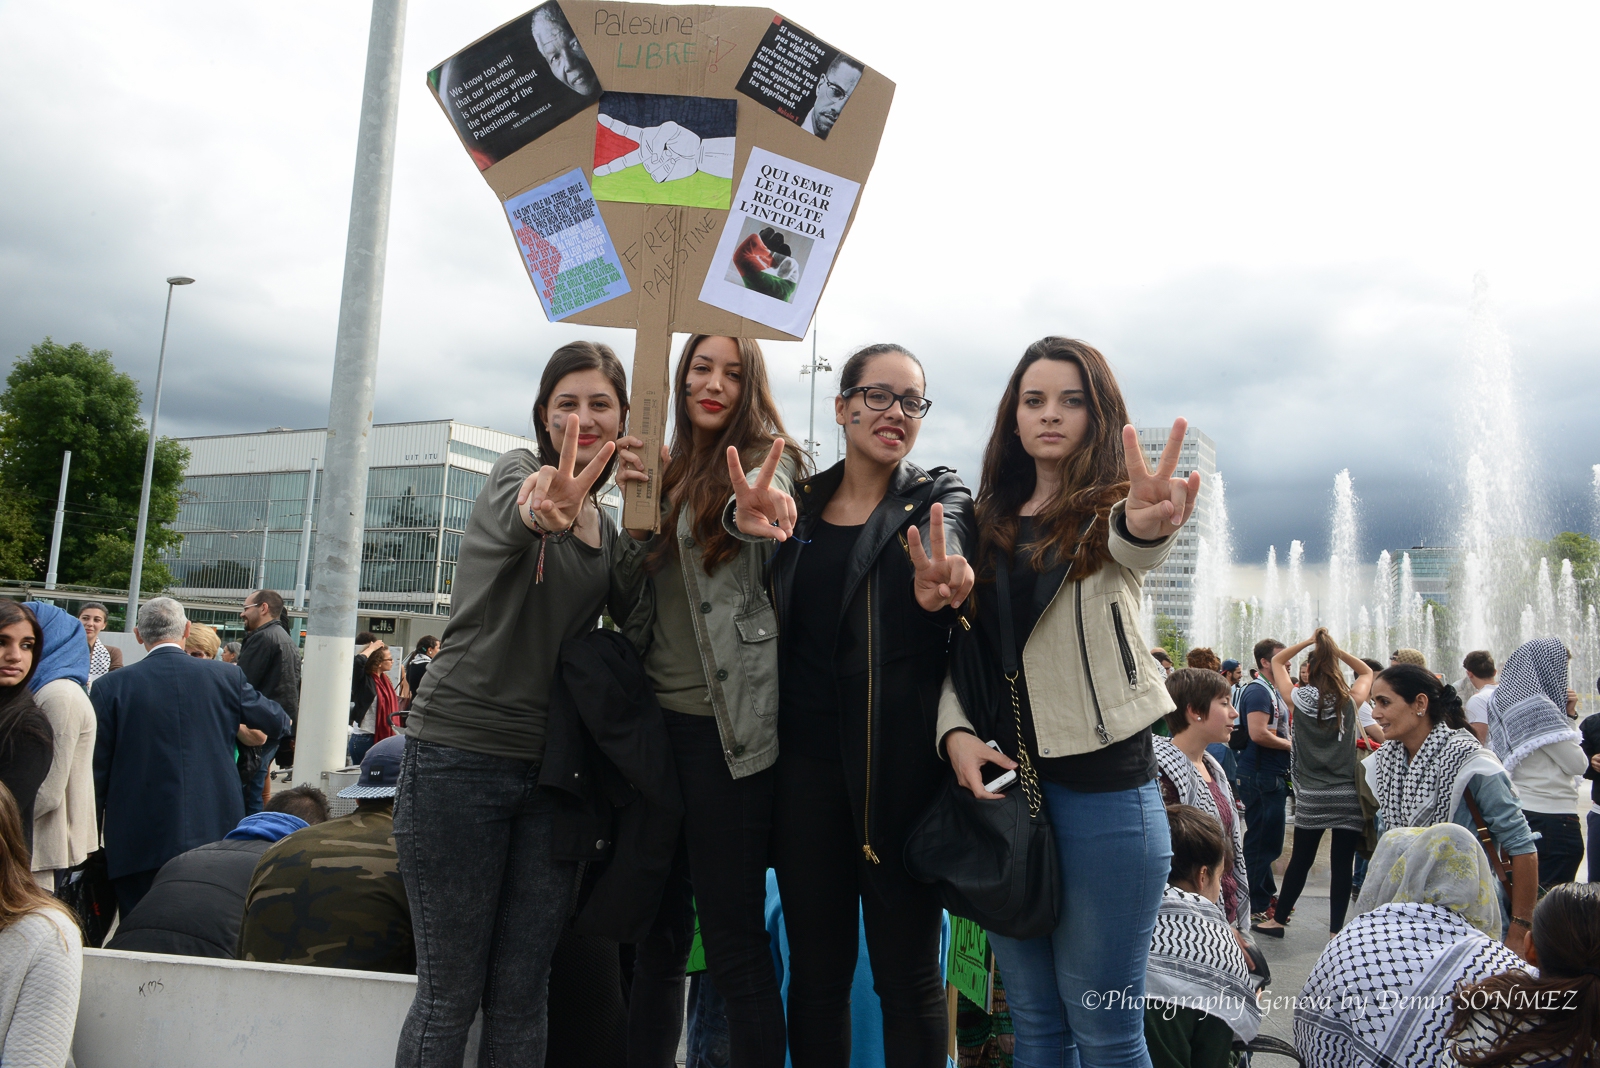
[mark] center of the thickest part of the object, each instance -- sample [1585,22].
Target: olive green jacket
[735,628]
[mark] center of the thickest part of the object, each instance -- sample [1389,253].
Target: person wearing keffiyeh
[1540,747]
[1431,770]
[1426,920]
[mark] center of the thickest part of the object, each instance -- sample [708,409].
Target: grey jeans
[488,904]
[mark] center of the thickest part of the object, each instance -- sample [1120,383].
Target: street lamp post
[814,368]
[137,574]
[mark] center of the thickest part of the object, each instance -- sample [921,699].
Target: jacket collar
[908,483]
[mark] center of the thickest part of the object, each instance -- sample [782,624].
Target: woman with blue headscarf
[63,809]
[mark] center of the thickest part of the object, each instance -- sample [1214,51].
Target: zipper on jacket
[1083,648]
[1122,646]
[866,804]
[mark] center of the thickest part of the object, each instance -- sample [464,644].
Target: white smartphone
[1004,779]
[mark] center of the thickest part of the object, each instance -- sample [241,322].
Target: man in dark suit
[164,774]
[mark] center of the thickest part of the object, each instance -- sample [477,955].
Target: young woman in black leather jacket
[865,592]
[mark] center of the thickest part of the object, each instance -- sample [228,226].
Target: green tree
[1582,550]
[70,397]
[1170,638]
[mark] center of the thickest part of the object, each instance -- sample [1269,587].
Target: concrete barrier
[149,1010]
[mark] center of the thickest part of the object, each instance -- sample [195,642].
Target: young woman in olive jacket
[711,654]
[864,592]
[1072,514]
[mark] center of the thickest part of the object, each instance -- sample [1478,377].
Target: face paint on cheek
[855,417]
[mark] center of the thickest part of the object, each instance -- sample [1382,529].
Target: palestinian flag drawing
[656,149]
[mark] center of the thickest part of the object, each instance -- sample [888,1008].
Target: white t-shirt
[1478,705]
[1544,778]
[1364,715]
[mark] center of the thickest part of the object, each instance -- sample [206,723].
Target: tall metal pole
[137,574]
[811,427]
[261,577]
[330,629]
[305,537]
[61,517]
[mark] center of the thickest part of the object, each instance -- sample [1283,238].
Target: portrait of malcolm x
[560,48]
[834,87]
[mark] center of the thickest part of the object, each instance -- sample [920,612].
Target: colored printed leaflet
[659,149]
[566,247]
[779,241]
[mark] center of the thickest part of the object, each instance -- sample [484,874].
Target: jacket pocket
[758,658]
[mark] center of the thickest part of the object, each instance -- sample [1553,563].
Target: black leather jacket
[891,767]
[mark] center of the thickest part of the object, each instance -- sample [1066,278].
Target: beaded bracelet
[545,536]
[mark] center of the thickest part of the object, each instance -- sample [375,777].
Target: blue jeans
[356,748]
[1075,995]
[488,904]
[1560,846]
[258,782]
[1264,797]
[1594,845]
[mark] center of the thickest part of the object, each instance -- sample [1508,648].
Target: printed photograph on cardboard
[652,148]
[773,256]
[800,77]
[768,260]
[515,85]
[566,246]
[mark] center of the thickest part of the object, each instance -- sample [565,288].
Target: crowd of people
[795,668]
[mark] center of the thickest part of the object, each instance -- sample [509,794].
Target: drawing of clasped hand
[669,152]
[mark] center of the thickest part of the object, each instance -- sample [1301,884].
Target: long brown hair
[19,894]
[570,358]
[1555,1017]
[19,715]
[1324,671]
[1093,476]
[698,478]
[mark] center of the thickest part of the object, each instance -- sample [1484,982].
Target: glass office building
[1169,589]
[245,499]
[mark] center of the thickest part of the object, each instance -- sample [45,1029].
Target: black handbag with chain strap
[993,861]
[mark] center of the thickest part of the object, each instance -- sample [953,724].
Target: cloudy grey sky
[1269,217]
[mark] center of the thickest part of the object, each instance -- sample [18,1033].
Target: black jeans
[1264,798]
[1560,847]
[1341,861]
[825,880]
[722,861]
[488,904]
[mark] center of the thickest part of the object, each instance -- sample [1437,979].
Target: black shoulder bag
[993,862]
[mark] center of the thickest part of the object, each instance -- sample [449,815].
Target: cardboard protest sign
[720,156]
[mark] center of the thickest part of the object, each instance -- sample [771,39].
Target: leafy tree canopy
[60,397]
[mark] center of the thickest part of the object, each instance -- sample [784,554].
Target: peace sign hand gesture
[1158,504]
[551,499]
[761,511]
[941,580]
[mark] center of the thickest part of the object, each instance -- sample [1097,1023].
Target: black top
[1123,765]
[809,682]
[25,761]
[196,903]
[417,668]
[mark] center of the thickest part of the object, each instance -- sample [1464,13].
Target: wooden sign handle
[650,400]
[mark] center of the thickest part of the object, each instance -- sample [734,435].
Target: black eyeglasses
[881,400]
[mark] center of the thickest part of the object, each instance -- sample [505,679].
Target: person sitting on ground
[102,657]
[1536,741]
[1427,919]
[1190,775]
[331,896]
[1195,956]
[1475,688]
[1164,659]
[195,905]
[64,831]
[41,958]
[1551,1018]
[1408,656]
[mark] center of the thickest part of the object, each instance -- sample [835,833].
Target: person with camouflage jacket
[330,895]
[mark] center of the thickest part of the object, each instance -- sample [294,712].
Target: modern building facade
[1432,568]
[245,496]
[1169,589]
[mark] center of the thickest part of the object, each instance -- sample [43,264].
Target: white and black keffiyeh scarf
[99,660]
[1379,995]
[1528,709]
[1427,790]
[1195,963]
[1192,790]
